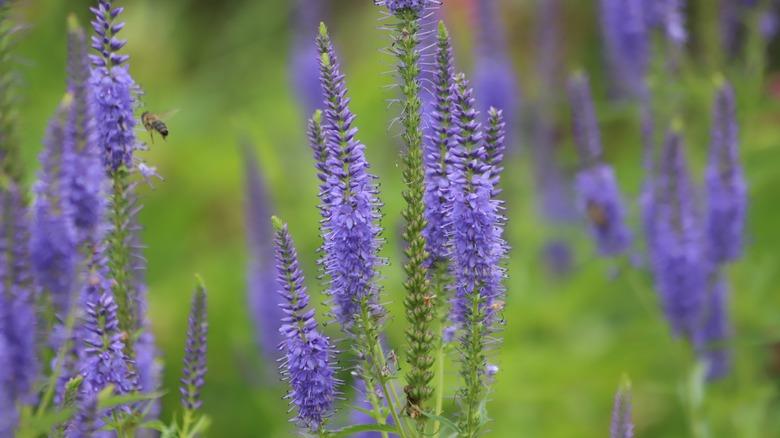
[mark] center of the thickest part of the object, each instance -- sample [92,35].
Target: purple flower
[598,194]
[359,416]
[478,247]
[397,6]
[715,331]
[726,186]
[351,206]
[17,300]
[104,361]
[303,58]
[263,300]
[85,423]
[308,355]
[437,145]
[669,16]
[83,159]
[194,371]
[622,425]
[558,257]
[627,42]
[678,258]
[52,237]
[8,414]
[495,79]
[112,89]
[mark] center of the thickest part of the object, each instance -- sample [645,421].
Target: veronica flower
[8,414]
[263,300]
[303,62]
[598,194]
[397,6]
[194,371]
[679,261]
[715,331]
[627,42]
[350,225]
[669,15]
[495,80]
[17,313]
[622,425]
[52,240]
[85,422]
[726,186]
[308,355]
[437,147]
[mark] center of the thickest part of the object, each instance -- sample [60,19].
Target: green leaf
[350,430]
[445,422]
[43,424]
[106,400]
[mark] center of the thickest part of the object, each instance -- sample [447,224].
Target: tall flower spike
[88,185]
[308,363]
[495,79]
[622,425]
[401,6]
[627,41]
[194,370]
[8,413]
[18,317]
[679,260]
[303,56]
[420,308]
[726,186]
[599,197]
[478,251]
[437,147]
[52,238]
[715,331]
[495,145]
[351,207]
[263,300]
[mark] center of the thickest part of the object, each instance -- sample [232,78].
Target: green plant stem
[439,388]
[119,254]
[473,368]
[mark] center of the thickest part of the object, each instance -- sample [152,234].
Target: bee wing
[168,115]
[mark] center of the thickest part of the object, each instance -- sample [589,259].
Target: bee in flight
[153,123]
[597,214]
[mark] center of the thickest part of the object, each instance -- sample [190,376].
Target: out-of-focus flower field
[567,339]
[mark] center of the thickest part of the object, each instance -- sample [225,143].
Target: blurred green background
[225,66]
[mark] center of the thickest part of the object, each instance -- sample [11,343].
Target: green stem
[439,388]
[473,368]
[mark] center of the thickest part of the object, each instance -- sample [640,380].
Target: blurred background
[574,322]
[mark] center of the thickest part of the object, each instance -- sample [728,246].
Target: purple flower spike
[396,6]
[351,206]
[597,190]
[726,186]
[104,361]
[478,247]
[194,371]
[303,61]
[52,238]
[112,90]
[263,300]
[622,425]
[715,332]
[627,41]
[8,414]
[679,263]
[307,365]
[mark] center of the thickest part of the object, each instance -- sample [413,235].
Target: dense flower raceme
[308,355]
[712,337]
[194,371]
[598,193]
[7,406]
[679,262]
[397,6]
[304,67]
[669,17]
[18,318]
[52,240]
[113,89]
[726,186]
[495,80]
[627,43]
[351,207]
[263,300]
[435,157]
[478,247]
[622,425]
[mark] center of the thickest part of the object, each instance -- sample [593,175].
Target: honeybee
[597,215]
[153,123]
[497,306]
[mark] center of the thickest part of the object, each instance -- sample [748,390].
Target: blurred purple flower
[622,425]
[437,146]
[8,413]
[194,370]
[84,422]
[679,261]
[308,363]
[478,246]
[726,187]
[303,58]
[558,257]
[495,79]
[715,331]
[627,42]
[351,206]
[52,236]
[261,285]
[597,189]
[396,6]
[358,416]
